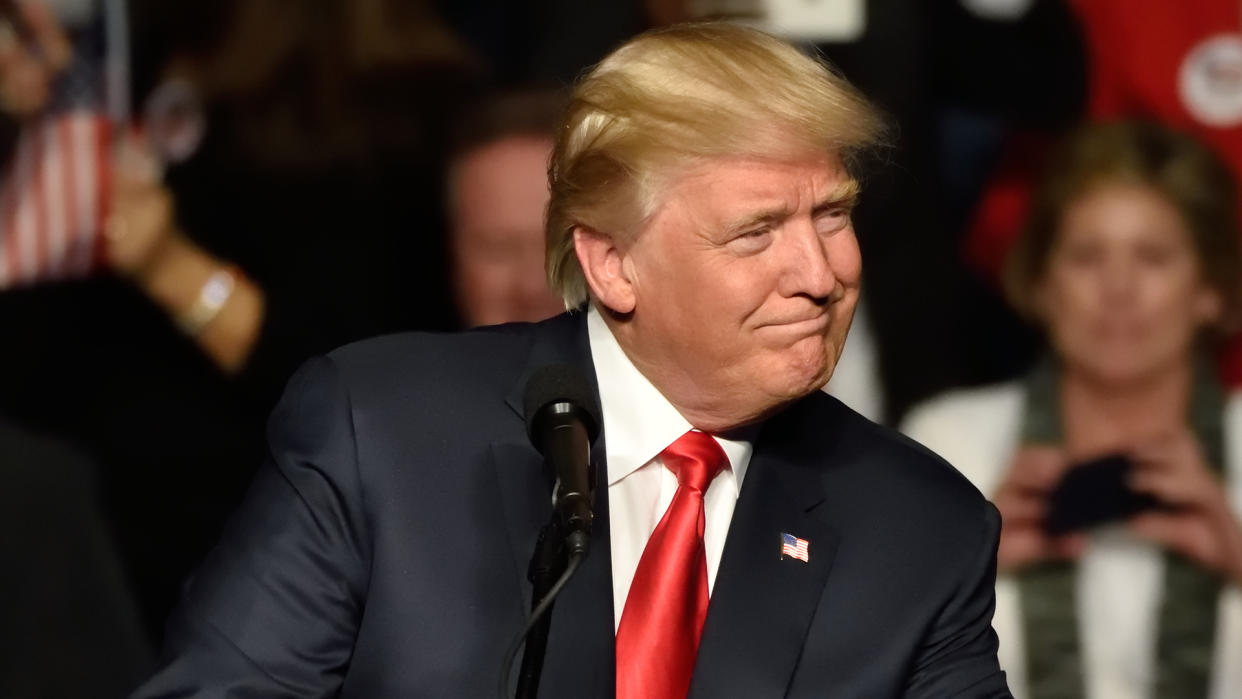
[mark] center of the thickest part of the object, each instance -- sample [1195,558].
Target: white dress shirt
[639,423]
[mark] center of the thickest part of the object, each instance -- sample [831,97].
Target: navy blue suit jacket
[382,549]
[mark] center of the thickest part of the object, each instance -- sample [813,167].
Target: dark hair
[1175,165]
[495,116]
[310,83]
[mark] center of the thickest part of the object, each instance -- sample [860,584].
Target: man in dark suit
[753,537]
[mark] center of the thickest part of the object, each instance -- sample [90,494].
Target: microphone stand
[546,566]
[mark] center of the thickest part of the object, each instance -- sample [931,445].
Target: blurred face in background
[497,196]
[1123,296]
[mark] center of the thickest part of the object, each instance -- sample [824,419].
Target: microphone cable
[575,560]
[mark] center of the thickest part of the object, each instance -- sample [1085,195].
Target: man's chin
[805,375]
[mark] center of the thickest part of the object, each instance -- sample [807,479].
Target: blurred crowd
[198,196]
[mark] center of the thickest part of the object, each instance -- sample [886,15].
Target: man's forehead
[738,184]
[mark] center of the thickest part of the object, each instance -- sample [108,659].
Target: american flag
[794,547]
[54,190]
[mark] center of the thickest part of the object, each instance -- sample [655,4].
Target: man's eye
[752,240]
[832,220]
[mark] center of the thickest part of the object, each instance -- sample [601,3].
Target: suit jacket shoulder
[424,363]
[854,452]
[388,530]
[901,570]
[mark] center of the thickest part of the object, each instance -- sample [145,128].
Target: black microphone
[562,421]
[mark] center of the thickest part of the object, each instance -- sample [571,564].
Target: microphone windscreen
[560,383]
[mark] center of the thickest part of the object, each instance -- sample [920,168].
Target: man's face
[497,200]
[745,281]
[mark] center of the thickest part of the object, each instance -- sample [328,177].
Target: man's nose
[805,267]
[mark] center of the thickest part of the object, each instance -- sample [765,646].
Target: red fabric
[1000,214]
[1137,50]
[658,637]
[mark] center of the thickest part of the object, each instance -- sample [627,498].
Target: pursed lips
[809,324]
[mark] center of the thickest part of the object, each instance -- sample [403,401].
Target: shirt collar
[639,422]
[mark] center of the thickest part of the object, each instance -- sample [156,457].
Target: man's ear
[603,266]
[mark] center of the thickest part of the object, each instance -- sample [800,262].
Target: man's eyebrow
[843,193]
[766,216]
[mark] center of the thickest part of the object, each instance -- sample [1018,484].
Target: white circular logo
[1210,81]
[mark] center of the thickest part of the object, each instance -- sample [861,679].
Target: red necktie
[658,637]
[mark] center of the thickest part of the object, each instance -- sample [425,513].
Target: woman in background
[1130,265]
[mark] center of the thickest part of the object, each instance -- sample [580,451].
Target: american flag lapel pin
[794,547]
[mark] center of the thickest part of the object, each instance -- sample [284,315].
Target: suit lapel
[762,604]
[580,657]
[524,499]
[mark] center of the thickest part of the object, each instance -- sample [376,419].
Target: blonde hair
[674,96]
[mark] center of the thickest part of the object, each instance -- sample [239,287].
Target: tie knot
[696,459]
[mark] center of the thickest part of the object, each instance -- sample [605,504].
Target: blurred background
[199,195]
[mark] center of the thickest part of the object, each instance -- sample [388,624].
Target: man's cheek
[845,258]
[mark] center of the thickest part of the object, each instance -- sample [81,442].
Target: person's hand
[140,223]
[33,51]
[1200,523]
[1022,501]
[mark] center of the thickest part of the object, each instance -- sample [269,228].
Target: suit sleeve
[274,610]
[958,658]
